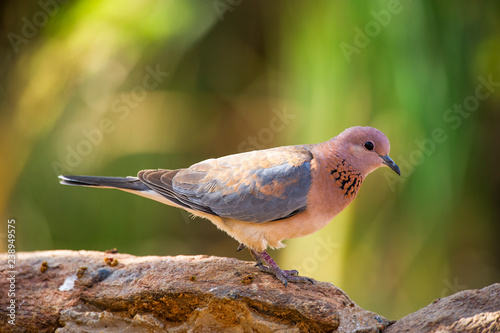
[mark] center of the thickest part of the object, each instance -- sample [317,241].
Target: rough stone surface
[68,291]
[465,311]
[174,294]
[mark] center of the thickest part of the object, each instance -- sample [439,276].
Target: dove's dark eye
[369,145]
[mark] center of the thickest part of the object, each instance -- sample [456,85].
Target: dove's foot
[272,267]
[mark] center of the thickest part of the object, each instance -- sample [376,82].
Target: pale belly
[259,236]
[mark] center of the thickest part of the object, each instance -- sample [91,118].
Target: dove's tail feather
[128,184]
[123,183]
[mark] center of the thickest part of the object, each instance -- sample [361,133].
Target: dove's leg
[273,268]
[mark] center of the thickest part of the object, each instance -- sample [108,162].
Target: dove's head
[366,148]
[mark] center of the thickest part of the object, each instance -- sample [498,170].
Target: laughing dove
[263,197]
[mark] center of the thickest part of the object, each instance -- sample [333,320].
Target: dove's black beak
[390,163]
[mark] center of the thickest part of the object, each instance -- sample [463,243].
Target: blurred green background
[110,88]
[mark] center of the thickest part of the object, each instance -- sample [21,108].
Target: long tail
[128,184]
[122,183]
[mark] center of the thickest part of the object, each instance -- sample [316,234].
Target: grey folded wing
[258,186]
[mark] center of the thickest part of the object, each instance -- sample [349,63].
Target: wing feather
[258,186]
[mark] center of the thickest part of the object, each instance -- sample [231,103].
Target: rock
[466,311]
[69,291]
